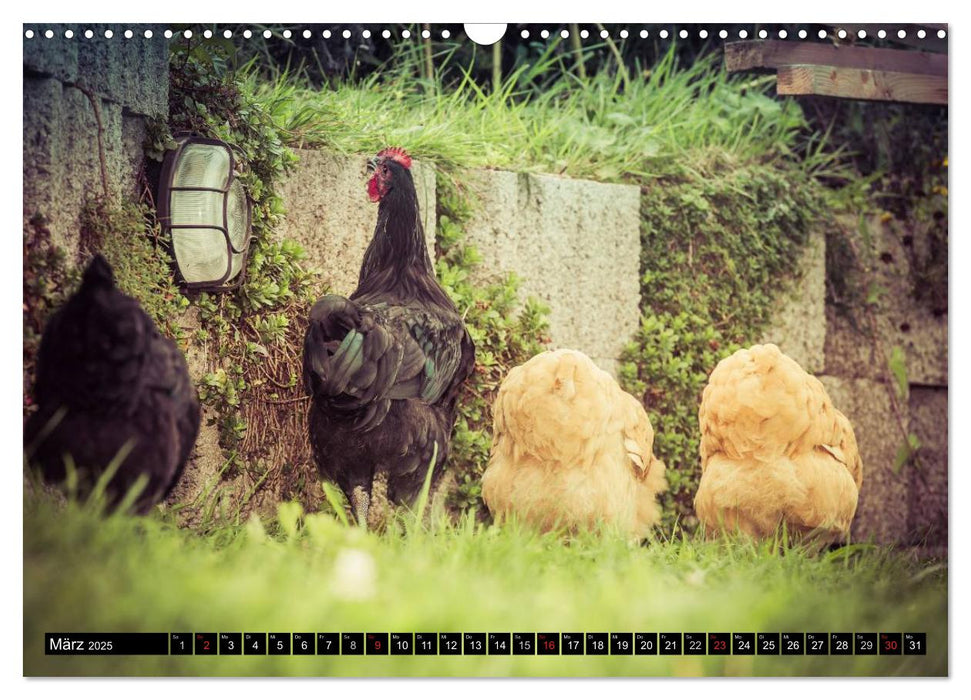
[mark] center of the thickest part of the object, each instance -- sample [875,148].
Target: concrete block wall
[927,485]
[128,79]
[901,322]
[908,506]
[573,244]
[882,512]
[201,480]
[329,213]
[132,72]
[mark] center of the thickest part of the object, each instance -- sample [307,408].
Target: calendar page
[485,350]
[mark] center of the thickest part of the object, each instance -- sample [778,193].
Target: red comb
[396,154]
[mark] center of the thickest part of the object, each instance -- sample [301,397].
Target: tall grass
[667,119]
[87,571]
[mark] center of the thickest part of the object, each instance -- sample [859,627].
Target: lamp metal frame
[166,188]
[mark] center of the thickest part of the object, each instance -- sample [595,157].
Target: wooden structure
[855,72]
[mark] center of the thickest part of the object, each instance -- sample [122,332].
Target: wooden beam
[862,84]
[746,55]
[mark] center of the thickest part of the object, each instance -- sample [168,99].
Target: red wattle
[372,189]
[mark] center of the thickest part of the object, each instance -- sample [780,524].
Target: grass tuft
[670,120]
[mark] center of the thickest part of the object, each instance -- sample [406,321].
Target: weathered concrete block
[132,72]
[56,57]
[882,513]
[61,163]
[573,244]
[900,321]
[328,211]
[99,62]
[127,78]
[41,100]
[798,324]
[137,72]
[928,484]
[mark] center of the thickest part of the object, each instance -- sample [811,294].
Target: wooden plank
[746,55]
[862,84]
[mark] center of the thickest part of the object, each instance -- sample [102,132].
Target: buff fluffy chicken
[775,451]
[571,450]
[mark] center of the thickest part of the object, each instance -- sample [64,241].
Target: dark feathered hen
[385,366]
[108,385]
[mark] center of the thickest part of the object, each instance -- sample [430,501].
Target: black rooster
[109,388]
[385,367]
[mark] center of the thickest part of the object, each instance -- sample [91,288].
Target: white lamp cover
[206,211]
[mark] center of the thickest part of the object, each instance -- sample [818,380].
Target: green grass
[87,572]
[611,126]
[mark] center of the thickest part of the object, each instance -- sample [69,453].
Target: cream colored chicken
[774,450]
[571,450]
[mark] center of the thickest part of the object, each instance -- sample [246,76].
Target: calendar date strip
[486,643]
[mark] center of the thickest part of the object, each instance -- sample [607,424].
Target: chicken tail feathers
[350,360]
[343,363]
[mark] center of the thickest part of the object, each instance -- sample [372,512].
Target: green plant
[897,157]
[221,390]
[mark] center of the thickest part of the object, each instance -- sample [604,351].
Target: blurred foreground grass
[87,572]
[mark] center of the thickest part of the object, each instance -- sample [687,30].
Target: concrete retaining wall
[927,483]
[883,511]
[328,212]
[901,320]
[573,244]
